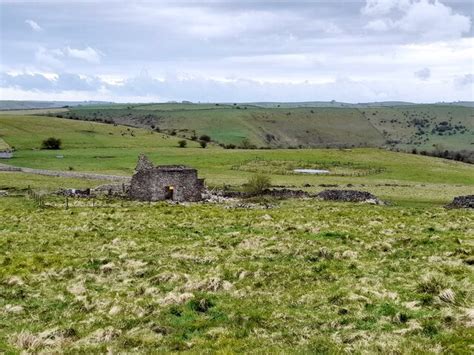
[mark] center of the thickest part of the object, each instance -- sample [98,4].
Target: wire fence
[36,197]
[43,199]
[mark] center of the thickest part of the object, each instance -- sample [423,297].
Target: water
[311,171]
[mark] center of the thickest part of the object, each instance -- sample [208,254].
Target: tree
[51,143]
[203,144]
[182,144]
[205,138]
[257,184]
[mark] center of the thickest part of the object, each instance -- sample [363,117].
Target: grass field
[425,127]
[95,147]
[35,111]
[304,275]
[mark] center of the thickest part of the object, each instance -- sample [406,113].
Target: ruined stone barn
[165,182]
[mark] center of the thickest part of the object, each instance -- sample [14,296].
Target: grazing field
[101,148]
[294,275]
[283,125]
[301,276]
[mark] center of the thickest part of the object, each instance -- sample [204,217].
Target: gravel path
[68,174]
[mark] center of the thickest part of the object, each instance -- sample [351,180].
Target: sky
[237,51]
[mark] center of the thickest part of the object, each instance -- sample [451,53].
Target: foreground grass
[303,276]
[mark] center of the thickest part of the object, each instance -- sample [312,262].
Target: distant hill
[273,125]
[329,104]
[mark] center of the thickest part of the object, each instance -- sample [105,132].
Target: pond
[311,171]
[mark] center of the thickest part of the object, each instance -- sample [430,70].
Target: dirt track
[67,174]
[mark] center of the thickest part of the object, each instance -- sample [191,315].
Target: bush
[51,143]
[247,145]
[203,144]
[205,138]
[182,144]
[257,184]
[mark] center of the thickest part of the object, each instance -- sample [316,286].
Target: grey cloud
[63,82]
[423,74]
[25,81]
[464,81]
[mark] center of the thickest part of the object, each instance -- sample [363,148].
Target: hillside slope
[425,127]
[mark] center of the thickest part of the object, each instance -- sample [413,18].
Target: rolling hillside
[407,126]
[108,149]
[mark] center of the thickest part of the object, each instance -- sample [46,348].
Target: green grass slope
[27,133]
[276,127]
[425,127]
[102,148]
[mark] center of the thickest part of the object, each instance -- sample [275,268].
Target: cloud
[466,80]
[55,57]
[431,20]
[25,81]
[60,82]
[423,74]
[144,88]
[383,7]
[87,54]
[434,21]
[214,47]
[380,25]
[49,57]
[34,25]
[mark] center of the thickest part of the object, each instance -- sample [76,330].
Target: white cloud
[380,25]
[49,57]
[430,20]
[88,54]
[434,21]
[34,25]
[55,57]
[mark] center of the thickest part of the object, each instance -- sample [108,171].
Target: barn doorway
[169,192]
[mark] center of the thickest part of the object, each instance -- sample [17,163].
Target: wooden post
[67,203]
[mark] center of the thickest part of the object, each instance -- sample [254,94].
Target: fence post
[67,203]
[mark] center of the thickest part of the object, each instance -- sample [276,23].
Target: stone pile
[285,193]
[462,202]
[349,196]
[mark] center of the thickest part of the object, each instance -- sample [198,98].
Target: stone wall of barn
[153,184]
